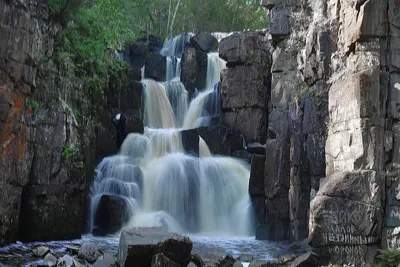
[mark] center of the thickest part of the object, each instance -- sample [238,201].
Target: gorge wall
[49,121]
[331,167]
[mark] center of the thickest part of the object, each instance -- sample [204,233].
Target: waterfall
[214,66]
[158,111]
[162,185]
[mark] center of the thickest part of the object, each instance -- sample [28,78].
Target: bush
[389,258]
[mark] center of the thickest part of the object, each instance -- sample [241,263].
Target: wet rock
[206,42]
[221,140]
[40,251]
[50,260]
[160,260]
[65,261]
[79,262]
[196,260]
[256,187]
[111,214]
[72,249]
[194,69]
[89,252]
[137,246]
[106,260]
[190,141]
[156,67]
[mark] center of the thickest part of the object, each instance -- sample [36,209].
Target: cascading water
[164,186]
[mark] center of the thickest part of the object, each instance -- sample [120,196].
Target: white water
[166,187]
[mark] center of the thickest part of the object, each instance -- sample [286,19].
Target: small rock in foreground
[40,251]
[89,252]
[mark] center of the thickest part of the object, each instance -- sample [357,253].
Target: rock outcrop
[246,83]
[138,246]
[333,115]
[48,128]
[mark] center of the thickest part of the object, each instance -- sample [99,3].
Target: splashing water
[166,187]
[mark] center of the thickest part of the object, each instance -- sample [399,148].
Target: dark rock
[106,137]
[255,148]
[206,42]
[196,260]
[137,246]
[160,260]
[251,122]
[278,21]
[190,141]
[72,249]
[256,187]
[89,252]
[221,140]
[245,48]
[138,51]
[262,231]
[40,251]
[134,125]
[227,261]
[156,67]
[194,69]
[111,214]
[244,86]
[257,173]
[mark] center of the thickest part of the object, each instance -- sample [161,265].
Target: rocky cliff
[49,120]
[333,112]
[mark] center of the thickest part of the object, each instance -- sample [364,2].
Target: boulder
[206,42]
[155,67]
[346,217]
[137,246]
[89,252]
[194,69]
[160,260]
[111,214]
[50,260]
[196,260]
[190,141]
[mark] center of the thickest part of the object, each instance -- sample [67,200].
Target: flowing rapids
[163,186]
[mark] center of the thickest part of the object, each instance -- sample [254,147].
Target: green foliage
[62,10]
[219,16]
[68,151]
[389,258]
[32,104]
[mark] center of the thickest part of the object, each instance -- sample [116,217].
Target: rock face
[137,247]
[333,115]
[48,128]
[246,83]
